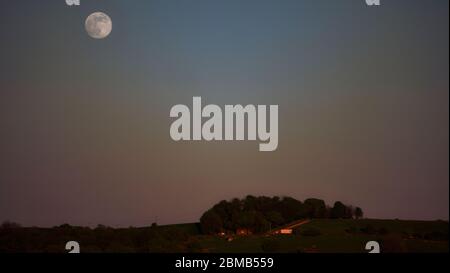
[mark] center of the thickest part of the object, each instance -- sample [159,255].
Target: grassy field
[323,236]
[340,236]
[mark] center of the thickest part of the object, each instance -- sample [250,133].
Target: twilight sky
[363,95]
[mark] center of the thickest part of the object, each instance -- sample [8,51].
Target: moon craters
[98,25]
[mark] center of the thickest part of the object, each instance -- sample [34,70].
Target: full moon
[98,25]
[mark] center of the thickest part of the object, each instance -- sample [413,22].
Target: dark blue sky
[362,92]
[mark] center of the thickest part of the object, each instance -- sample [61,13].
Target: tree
[290,209]
[315,208]
[240,220]
[211,222]
[260,223]
[339,210]
[258,213]
[358,213]
[349,212]
[250,203]
[10,225]
[275,218]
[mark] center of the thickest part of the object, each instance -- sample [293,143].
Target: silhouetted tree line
[259,214]
[173,238]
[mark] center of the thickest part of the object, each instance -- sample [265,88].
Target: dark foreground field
[324,235]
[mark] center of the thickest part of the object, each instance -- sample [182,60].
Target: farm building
[243,231]
[289,228]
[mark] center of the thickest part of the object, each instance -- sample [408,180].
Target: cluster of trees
[260,214]
[175,238]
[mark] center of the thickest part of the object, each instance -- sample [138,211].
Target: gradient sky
[363,95]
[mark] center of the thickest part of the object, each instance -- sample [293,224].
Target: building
[286,231]
[243,231]
[289,228]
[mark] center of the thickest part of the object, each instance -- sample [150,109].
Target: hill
[341,235]
[318,235]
